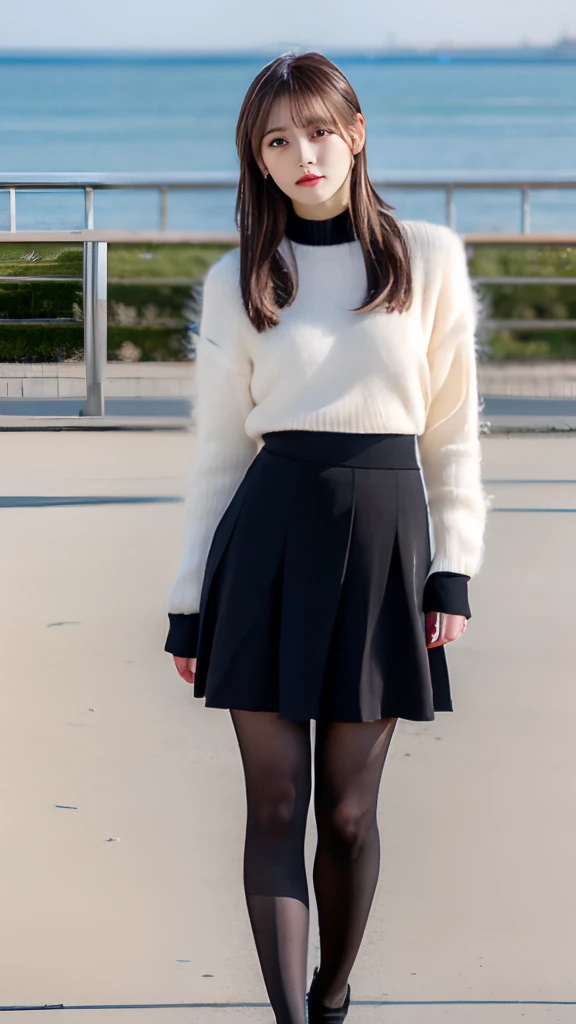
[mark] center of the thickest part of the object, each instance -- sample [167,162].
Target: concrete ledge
[528,380]
[176,380]
[95,423]
[496,425]
[124,380]
[519,424]
[76,369]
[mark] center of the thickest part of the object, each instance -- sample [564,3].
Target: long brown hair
[317,90]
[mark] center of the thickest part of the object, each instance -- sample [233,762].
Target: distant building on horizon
[564,50]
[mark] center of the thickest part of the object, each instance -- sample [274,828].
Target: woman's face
[289,152]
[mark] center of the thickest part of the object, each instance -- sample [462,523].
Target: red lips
[309,177]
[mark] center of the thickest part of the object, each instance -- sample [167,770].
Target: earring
[265,174]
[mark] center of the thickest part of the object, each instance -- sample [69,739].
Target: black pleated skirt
[311,602]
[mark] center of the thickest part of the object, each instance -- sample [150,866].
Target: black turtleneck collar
[330,231]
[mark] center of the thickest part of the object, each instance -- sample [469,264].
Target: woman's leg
[276,757]
[348,762]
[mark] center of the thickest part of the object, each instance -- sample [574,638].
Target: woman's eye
[325,130]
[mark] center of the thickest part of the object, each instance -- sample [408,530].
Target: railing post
[96,351]
[89,207]
[525,226]
[163,208]
[87,291]
[95,314]
[450,212]
[12,209]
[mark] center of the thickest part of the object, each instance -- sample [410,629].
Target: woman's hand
[186,667]
[451,626]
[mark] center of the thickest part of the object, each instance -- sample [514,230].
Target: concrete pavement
[123,796]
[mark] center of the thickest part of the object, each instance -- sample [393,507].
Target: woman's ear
[359,135]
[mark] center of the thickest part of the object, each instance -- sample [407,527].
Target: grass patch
[153,318]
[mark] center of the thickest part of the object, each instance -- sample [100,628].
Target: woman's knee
[275,812]
[349,826]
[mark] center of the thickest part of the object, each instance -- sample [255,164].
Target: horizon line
[283,47]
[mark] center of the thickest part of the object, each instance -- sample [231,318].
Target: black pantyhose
[277,761]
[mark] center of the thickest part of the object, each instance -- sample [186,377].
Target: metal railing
[95,243]
[165,184]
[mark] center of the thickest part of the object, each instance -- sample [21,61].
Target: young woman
[336,422]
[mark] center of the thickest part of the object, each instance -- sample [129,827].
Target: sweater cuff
[182,639]
[447,592]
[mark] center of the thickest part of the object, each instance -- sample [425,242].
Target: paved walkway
[123,798]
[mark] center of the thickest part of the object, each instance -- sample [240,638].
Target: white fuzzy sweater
[325,368]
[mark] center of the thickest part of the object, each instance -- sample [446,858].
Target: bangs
[308,106]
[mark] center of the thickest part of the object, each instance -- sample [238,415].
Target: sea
[424,120]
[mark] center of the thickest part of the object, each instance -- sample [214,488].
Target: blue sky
[277,25]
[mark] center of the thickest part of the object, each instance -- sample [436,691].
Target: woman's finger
[433,628]
[186,667]
[450,628]
[451,632]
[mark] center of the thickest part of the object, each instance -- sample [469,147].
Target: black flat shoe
[320,1014]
